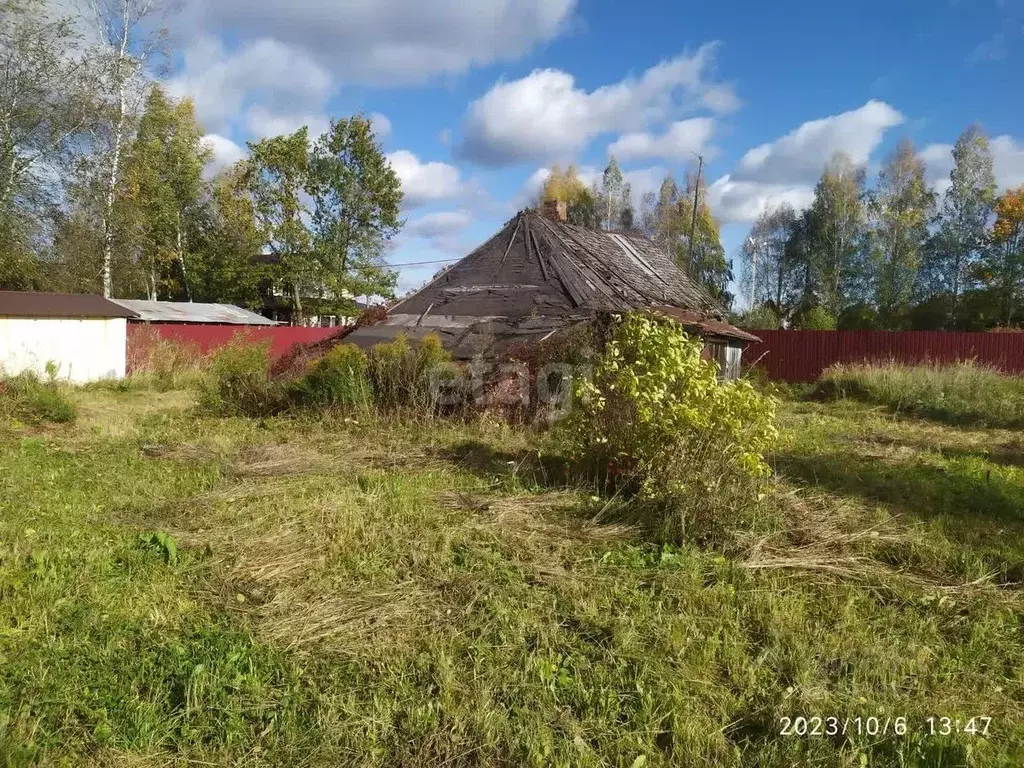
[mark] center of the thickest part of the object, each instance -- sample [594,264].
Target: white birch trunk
[115,160]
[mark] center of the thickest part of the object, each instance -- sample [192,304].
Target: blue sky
[474,99]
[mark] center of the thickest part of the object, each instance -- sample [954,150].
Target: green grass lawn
[186,590]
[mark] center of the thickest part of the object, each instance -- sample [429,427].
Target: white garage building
[84,336]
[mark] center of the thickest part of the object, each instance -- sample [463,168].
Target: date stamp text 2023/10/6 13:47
[827,726]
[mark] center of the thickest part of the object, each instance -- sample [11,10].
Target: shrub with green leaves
[337,380]
[26,397]
[817,319]
[238,382]
[400,376]
[658,419]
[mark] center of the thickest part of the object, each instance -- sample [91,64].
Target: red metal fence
[803,355]
[208,338]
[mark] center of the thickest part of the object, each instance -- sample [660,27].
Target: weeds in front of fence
[161,363]
[956,393]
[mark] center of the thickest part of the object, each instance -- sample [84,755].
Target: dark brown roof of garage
[536,266]
[24,304]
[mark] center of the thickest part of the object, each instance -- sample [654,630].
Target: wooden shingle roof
[535,265]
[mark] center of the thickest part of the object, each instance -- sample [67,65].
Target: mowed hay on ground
[361,594]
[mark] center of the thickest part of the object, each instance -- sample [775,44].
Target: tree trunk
[115,161]
[297,299]
[181,258]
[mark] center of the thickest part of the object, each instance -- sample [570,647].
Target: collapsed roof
[538,275]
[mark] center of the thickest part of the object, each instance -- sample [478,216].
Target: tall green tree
[276,175]
[226,269]
[356,207]
[164,183]
[770,276]
[900,208]
[626,213]
[611,195]
[46,106]
[835,229]
[146,196]
[128,44]
[962,235]
[1002,268]
[660,218]
[709,266]
[582,203]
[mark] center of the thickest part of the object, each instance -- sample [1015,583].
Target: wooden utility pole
[693,220]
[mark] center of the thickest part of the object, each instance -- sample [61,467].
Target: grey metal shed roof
[29,304]
[189,312]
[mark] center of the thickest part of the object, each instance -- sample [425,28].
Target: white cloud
[281,79]
[733,201]
[786,170]
[1008,158]
[1007,162]
[381,125]
[799,156]
[262,123]
[544,116]
[425,182]
[225,152]
[721,99]
[390,41]
[679,142]
[440,224]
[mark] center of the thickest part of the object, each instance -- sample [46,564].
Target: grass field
[177,589]
[964,393]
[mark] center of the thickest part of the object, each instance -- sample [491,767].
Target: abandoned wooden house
[540,275]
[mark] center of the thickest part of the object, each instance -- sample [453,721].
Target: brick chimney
[556,210]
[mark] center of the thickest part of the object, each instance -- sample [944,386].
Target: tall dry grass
[958,393]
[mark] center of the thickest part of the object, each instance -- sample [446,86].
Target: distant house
[190,313]
[540,274]
[79,337]
[317,303]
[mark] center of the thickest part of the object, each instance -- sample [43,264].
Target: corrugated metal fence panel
[803,355]
[209,337]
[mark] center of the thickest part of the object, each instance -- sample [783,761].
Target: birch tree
[276,175]
[901,207]
[127,44]
[962,236]
[356,205]
[163,189]
[611,195]
[45,106]
[769,274]
[835,239]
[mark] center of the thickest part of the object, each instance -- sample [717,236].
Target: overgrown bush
[816,319]
[26,397]
[759,318]
[162,363]
[339,379]
[958,393]
[238,381]
[401,377]
[657,420]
